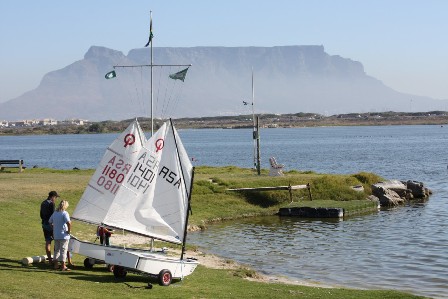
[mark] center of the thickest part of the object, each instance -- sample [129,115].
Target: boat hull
[144,261]
[150,262]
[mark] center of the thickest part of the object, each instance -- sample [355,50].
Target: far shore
[297,120]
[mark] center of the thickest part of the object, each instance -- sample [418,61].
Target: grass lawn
[21,236]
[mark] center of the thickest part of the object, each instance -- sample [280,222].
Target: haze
[398,42]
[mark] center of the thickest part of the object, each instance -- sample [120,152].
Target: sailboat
[142,187]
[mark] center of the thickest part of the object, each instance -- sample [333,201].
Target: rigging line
[164,109]
[143,103]
[158,89]
[135,94]
[122,78]
[141,89]
[171,96]
[176,100]
[177,96]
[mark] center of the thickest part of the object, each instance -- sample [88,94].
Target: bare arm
[69,227]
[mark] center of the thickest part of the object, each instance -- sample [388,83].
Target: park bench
[276,169]
[17,163]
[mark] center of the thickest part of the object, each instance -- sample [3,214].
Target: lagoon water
[402,248]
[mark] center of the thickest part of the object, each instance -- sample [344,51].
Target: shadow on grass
[265,199]
[8,264]
[97,274]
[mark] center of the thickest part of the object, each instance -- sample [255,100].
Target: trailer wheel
[110,268]
[119,272]
[88,263]
[165,277]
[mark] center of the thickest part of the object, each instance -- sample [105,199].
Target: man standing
[46,210]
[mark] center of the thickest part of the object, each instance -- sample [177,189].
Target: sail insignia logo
[160,143]
[129,139]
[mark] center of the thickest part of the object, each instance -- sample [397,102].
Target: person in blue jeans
[61,234]
[46,210]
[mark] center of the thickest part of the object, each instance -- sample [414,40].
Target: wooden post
[290,192]
[309,191]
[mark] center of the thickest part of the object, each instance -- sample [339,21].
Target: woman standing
[61,234]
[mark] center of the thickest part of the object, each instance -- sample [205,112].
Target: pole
[255,132]
[152,41]
[258,148]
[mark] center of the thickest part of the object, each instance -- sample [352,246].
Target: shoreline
[213,261]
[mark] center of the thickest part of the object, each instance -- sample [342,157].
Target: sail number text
[113,175]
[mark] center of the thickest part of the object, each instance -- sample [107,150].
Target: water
[402,248]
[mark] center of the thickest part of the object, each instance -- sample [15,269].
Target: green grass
[21,234]
[212,202]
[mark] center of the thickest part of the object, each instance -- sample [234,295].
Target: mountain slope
[288,79]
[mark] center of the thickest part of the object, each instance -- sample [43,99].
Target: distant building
[47,122]
[78,122]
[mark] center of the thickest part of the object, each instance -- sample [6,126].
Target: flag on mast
[150,33]
[179,75]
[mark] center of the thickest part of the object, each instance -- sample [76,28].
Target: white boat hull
[150,262]
[91,250]
[138,260]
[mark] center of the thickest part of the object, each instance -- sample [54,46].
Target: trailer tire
[88,264]
[119,272]
[165,277]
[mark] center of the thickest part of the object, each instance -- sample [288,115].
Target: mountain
[288,79]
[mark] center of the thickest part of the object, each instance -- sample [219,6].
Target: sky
[403,43]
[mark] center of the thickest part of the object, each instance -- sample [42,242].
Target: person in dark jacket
[46,210]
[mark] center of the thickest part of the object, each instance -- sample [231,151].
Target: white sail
[153,201]
[110,175]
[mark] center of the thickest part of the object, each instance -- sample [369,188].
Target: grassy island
[21,233]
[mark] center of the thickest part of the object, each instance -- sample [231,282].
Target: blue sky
[400,42]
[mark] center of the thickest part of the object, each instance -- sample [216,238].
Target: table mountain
[288,79]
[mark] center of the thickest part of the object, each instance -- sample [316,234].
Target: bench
[276,169]
[18,163]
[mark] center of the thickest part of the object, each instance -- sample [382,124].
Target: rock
[394,192]
[386,196]
[375,199]
[394,185]
[359,188]
[417,189]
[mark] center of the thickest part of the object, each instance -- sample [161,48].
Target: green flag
[151,35]
[179,75]
[110,75]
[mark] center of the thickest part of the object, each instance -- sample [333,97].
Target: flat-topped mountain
[288,79]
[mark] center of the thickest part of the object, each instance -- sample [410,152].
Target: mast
[184,239]
[151,65]
[152,41]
